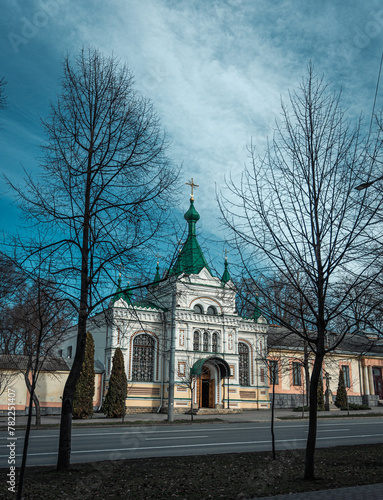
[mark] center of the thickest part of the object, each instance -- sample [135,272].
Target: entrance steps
[214,411]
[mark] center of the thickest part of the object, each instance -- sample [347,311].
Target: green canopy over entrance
[214,360]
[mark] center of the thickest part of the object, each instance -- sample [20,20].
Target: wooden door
[211,394]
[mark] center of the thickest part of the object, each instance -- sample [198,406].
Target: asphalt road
[114,443]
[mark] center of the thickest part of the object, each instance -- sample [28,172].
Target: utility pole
[172,356]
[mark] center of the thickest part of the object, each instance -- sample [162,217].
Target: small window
[212,310]
[198,309]
[205,341]
[60,353]
[346,375]
[69,351]
[214,342]
[297,377]
[196,341]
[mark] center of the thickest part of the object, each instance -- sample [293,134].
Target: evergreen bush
[84,393]
[114,403]
[341,394]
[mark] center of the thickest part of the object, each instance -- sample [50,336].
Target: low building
[359,356]
[53,374]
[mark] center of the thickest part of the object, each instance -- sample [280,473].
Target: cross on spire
[192,185]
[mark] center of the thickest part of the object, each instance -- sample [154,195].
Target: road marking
[175,437]
[236,443]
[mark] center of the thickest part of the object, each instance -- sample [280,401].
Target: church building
[217,353]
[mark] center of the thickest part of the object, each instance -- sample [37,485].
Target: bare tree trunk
[312,434]
[272,420]
[63,459]
[33,397]
[307,373]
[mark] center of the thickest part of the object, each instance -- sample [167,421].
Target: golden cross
[192,185]
[226,254]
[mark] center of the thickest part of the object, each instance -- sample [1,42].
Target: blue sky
[215,70]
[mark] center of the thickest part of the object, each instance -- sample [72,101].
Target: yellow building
[359,356]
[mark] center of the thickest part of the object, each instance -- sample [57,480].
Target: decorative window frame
[155,355]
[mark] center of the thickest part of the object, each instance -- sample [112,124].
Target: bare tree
[296,208]
[36,322]
[188,379]
[104,193]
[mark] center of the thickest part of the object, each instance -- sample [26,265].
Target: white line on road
[175,437]
[236,443]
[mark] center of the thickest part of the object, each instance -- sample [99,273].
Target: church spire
[157,277]
[119,294]
[257,312]
[190,260]
[226,276]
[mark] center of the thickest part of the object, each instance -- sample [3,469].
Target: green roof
[226,276]
[190,260]
[125,295]
[257,312]
[157,277]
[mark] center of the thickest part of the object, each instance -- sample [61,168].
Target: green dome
[192,214]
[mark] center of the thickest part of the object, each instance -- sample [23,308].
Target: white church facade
[216,350]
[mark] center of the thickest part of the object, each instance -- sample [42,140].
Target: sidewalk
[370,491]
[246,416]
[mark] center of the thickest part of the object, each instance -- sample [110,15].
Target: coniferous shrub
[84,393]
[114,403]
[341,395]
[320,404]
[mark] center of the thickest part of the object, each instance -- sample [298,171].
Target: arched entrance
[207,389]
[210,374]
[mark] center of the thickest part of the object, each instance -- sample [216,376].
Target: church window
[243,351]
[69,351]
[143,358]
[214,342]
[196,341]
[212,310]
[198,309]
[205,341]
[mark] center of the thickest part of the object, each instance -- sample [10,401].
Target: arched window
[243,351]
[196,341]
[143,358]
[198,309]
[205,341]
[212,310]
[214,342]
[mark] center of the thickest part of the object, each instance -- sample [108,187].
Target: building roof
[51,364]
[191,259]
[357,344]
[20,362]
[120,294]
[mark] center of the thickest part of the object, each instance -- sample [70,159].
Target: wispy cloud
[215,70]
